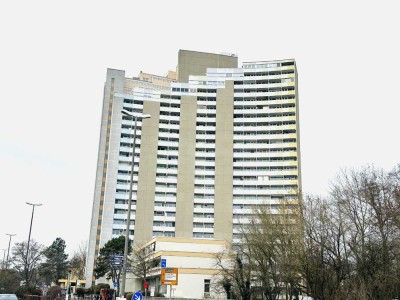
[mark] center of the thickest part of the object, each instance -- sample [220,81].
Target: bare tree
[343,246]
[275,238]
[325,260]
[27,267]
[266,259]
[352,237]
[235,271]
[369,198]
[142,262]
[78,261]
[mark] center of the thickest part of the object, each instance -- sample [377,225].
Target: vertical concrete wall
[186,167]
[147,173]
[107,166]
[196,63]
[224,163]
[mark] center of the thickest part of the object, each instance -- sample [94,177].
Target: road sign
[137,296]
[116,257]
[116,260]
[115,284]
[146,285]
[116,264]
[169,276]
[163,263]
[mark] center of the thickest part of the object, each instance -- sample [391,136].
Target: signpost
[116,261]
[115,286]
[146,286]
[163,263]
[169,276]
[137,296]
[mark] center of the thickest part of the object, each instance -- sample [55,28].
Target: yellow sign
[169,276]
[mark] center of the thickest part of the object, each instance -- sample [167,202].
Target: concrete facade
[192,63]
[221,141]
[186,165]
[223,162]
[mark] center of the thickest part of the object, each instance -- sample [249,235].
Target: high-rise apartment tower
[221,139]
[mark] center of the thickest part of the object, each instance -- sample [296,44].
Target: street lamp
[128,217]
[4,258]
[9,243]
[30,230]
[68,285]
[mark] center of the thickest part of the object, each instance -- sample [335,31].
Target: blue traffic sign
[137,296]
[163,263]
[116,260]
[115,284]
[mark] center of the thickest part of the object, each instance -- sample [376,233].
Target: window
[207,285]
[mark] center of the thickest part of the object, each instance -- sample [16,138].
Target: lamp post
[4,259]
[68,283]
[29,237]
[128,217]
[9,243]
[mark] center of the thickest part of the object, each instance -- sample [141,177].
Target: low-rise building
[194,259]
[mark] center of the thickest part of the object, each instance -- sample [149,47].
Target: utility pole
[29,239]
[4,258]
[9,243]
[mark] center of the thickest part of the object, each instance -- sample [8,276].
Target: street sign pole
[116,262]
[145,285]
[115,290]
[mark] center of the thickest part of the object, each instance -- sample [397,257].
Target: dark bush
[27,290]
[128,296]
[53,292]
[80,292]
[158,294]
[98,287]
[9,281]
[89,291]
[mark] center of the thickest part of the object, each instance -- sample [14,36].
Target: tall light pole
[4,258]
[30,230]
[68,285]
[9,243]
[128,217]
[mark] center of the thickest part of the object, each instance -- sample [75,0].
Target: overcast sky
[53,61]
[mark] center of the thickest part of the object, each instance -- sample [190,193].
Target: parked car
[8,297]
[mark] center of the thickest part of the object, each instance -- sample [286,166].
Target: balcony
[169,126]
